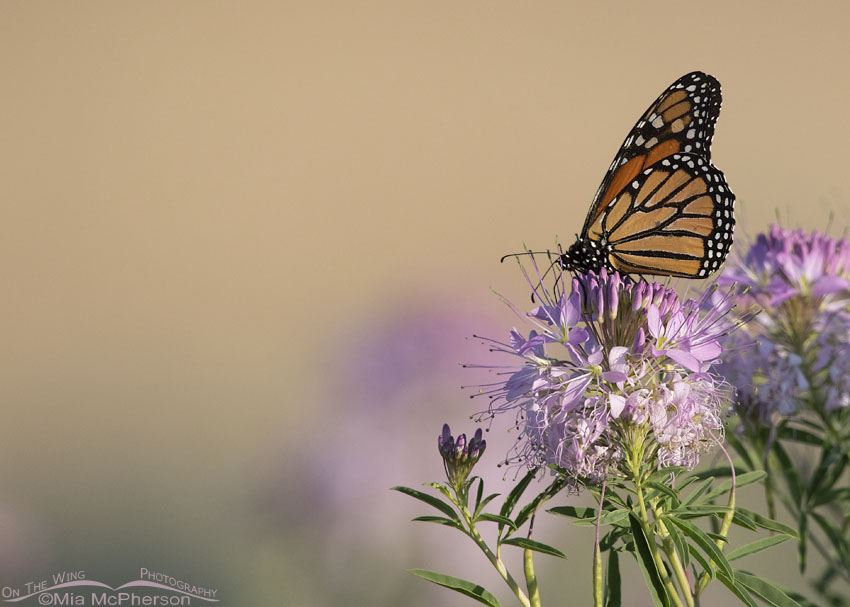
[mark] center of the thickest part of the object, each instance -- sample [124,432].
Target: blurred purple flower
[393,373]
[797,350]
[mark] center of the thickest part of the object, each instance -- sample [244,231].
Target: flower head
[797,351]
[459,456]
[610,366]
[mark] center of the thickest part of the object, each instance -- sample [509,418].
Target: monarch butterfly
[662,207]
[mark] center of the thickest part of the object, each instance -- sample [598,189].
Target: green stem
[597,577]
[531,578]
[494,559]
[673,556]
[727,523]
[650,537]
[597,555]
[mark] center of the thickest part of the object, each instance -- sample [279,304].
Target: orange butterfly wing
[662,208]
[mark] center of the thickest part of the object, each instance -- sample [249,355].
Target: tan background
[200,200]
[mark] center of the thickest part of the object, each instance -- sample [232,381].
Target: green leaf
[699,490]
[484,503]
[527,511]
[580,512]
[720,471]
[830,466]
[841,494]
[739,447]
[470,589]
[608,518]
[804,602]
[610,539]
[614,497]
[647,565]
[766,523]
[789,472]
[441,488]
[757,546]
[524,542]
[479,494]
[835,537]
[441,520]
[430,500]
[742,520]
[766,590]
[799,435]
[665,474]
[495,518]
[704,542]
[700,558]
[738,590]
[516,493]
[662,489]
[742,480]
[613,595]
[701,510]
[682,485]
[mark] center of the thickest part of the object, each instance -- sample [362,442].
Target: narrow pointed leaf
[470,589]
[441,488]
[662,489]
[841,494]
[647,565]
[741,450]
[441,520]
[579,512]
[742,480]
[789,472]
[495,518]
[479,494]
[698,510]
[799,435]
[705,543]
[742,520]
[431,500]
[802,546]
[804,602]
[484,503]
[613,595]
[607,518]
[700,558]
[738,590]
[720,472]
[757,546]
[766,523]
[524,542]
[527,511]
[698,491]
[516,493]
[768,591]
[835,537]
[680,544]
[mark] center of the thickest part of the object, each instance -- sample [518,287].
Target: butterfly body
[662,207]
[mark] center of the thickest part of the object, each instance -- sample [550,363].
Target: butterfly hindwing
[681,120]
[675,218]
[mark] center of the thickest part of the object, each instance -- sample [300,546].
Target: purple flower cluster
[797,351]
[459,455]
[610,364]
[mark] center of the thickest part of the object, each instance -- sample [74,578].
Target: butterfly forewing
[682,119]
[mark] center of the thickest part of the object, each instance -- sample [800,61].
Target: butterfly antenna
[532,253]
